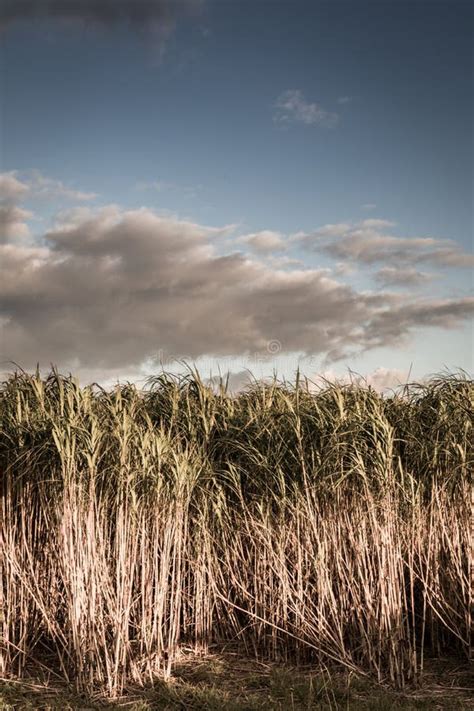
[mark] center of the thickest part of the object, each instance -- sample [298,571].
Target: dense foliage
[325,525]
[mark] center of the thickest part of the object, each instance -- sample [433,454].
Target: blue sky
[269,116]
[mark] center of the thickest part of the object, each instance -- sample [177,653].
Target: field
[318,539]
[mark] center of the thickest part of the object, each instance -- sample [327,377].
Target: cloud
[394,276]
[390,327]
[292,107]
[376,223]
[11,189]
[236,381]
[156,19]
[370,242]
[139,13]
[13,223]
[343,269]
[109,289]
[381,379]
[264,241]
[41,186]
[344,100]
[15,187]
[283,261]
[368,206]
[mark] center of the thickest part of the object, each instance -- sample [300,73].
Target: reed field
[320,527]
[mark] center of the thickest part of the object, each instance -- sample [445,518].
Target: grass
[321,529]
[230,682]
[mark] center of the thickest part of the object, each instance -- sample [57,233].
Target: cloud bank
[111,288]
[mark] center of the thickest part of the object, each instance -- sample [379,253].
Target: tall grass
[327,527]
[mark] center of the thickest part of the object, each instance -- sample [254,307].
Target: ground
[229,682]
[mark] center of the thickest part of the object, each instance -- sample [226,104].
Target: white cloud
[344,100]
[330,230]
[395,276]
[375,223]
[44,187]
[235,381]
[264,241]
[16,186]
[381,379]
[72,217]
[343,269]
[11,189]
[370,242]
[282,262]
[292,107]
[13,223]
[369,206]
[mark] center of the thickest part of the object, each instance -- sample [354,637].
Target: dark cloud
[154,14]
[109,289]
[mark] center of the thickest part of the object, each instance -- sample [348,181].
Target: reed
[325,526]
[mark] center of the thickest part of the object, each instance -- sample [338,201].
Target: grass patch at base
[229,682]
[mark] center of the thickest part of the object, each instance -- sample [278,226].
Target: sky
[244,186]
